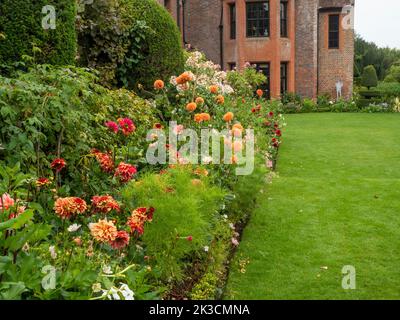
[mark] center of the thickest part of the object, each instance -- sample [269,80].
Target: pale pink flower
[6,202]
[178,129]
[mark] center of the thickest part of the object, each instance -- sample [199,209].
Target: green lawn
[335,202]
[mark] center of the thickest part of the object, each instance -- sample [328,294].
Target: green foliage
[183,209]
[245,82]
[369,78]
[308,105]
[394,74]
[23,37]
[246,190]
[61,112]
[290,97]
[164,55]
[129,42]
[206,288]
[368,53]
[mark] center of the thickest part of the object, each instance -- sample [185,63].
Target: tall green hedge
[129,42]
[165,55]
[21,26]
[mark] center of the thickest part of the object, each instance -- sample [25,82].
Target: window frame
[333,35]
[257,21]
[284,76]
[232,21]
[284,25]
[261,66]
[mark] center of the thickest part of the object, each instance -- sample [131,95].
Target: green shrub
[206,288]
[182,209]
[23,35]
[130,42]
[394,74]
[290,97]
[245,82]
[389,89]
[369,78]
[308,105]
[51,103]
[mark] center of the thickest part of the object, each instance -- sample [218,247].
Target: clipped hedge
[23,35]
[129,42]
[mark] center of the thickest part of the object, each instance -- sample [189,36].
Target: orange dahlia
[260,93]
[220,99]
[200,172]
[237,126]
[103,231]
[228,117]
[199,100]
[191,106]
[158,84]
[206,117]
[138,218]
[104,204]
[200,117]
[237,129]
[69,206]
[214,89]
[183,78]
[105,160]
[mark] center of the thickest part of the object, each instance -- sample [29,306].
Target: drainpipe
[178,13]
[221,36]
[183,22]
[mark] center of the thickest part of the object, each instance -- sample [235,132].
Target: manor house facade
[302,46]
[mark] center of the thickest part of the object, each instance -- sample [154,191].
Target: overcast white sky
[379,21]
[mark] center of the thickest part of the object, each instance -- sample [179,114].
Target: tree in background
[369,78]
[394,73]
[368,53]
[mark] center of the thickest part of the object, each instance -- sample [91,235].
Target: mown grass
[335,202]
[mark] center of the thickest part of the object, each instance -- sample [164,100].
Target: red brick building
[303,46]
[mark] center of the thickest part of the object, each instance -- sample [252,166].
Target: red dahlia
[121,241]
[125,172]
[58,164]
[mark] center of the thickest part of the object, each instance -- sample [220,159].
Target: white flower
[206,248]
[112,294]
[225,216]
[127,293]
[232,226]
[107,270]
[96,287]
[73,227]
[53,252]
[26,247]
[207,159]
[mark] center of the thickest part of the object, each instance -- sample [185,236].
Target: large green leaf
[17,222]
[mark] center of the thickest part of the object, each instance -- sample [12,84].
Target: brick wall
[335,65]
[316,68]
[306,47]
[202,20]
